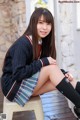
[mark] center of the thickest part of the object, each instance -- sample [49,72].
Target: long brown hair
[48,43]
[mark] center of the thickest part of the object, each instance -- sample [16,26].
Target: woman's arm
[20,63]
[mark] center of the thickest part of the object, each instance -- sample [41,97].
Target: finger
[66,75]
[70,75]
[70,78]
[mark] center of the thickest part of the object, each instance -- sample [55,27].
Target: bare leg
[47,87]
[45,84]
[52,73]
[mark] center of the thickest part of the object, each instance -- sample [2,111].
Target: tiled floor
[55,107]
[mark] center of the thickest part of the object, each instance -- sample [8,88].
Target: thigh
[47,87]
[44,75]
[50,72]
[43,78]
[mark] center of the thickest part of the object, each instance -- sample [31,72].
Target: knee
[50,68]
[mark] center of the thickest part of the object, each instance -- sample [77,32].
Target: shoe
[77,112]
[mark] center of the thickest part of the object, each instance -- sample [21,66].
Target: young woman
[30,66]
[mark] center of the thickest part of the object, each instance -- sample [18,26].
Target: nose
[44,26]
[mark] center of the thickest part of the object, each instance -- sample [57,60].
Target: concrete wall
[12,24]
[67,37]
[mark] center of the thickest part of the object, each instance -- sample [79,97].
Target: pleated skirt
[26,90]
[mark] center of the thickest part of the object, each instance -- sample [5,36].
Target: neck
[40,41]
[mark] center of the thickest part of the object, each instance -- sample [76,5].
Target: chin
[43,36]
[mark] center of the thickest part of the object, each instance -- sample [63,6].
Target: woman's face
[43,28]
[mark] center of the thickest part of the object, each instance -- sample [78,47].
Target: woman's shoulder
[23,40]
[22,43]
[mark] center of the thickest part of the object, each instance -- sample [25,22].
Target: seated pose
[30,66]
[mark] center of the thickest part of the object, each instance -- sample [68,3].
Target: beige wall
[12,24]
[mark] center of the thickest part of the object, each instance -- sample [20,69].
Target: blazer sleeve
[20,68]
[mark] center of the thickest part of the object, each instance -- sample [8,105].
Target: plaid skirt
[26,90]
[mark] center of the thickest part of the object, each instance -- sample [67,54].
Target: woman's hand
[69,76]
[51,61]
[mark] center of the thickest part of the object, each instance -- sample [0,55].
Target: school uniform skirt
[26,90]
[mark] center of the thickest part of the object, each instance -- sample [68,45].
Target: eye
[48,23]
[40,22]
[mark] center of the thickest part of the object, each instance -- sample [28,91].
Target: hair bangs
[47,16]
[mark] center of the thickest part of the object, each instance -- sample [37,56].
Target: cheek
[37,28]
[49,29]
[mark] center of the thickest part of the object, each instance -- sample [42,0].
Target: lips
[43,33]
